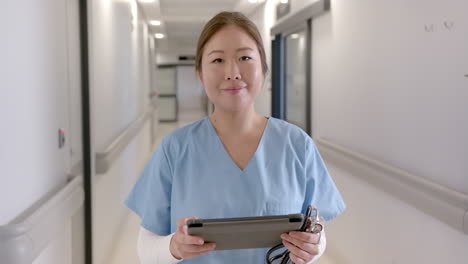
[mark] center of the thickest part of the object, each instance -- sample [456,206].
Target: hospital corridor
[120,117]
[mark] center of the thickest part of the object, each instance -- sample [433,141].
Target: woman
[235,163]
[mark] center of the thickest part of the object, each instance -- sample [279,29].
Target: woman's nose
[232,72]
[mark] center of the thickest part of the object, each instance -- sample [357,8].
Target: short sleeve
[150,198]
[321,191]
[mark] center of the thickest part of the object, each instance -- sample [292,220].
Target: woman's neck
[236,124]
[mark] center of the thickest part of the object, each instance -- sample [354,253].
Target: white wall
[33,103]
[40,82]
[398,91]
[384,87]
[121,83]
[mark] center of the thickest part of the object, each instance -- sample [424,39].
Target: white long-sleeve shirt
[154,249]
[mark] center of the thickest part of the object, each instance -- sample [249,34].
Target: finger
[192,255]
[306,237]
[181,238]
[198,249]
[296,259]
[297,251]
[188,218]
[181,221]
[183,230]
[180,229]
[182,224]
[191,240]
[308,247]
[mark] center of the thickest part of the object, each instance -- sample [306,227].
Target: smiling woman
[234,163]
[230,60]
[231,65]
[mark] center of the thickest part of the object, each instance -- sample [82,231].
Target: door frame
[288,24]
[86,131]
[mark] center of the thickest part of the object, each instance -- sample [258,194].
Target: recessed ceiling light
[294,36]
[159,35]
[155,22]
[146,1]
[284,1]
[253,1]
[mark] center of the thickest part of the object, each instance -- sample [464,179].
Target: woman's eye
[218,60]
[244,58]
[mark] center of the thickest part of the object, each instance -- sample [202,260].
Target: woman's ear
[200,77]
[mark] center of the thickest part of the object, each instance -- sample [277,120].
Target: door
[167,89]
[296,89]
[291,87]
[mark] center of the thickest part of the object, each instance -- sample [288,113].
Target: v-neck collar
[220,143]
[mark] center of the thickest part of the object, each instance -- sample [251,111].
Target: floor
[125,250]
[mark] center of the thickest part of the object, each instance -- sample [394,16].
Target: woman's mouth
[233,90]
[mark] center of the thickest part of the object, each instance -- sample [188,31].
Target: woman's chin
[233,106]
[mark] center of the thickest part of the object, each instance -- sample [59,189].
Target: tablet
[245,232]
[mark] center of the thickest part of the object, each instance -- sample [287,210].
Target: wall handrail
[443,203]
[24,238]
[105,158]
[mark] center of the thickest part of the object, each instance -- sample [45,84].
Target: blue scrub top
[191,174]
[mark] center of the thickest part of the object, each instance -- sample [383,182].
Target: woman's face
[231,70]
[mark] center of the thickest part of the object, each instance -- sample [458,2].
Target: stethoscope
[311,224]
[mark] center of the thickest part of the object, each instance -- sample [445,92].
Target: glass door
[296,89]
[291,80]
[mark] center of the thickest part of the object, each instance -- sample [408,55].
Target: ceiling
[183,20]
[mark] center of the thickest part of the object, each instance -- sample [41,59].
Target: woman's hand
[185,246]
[301,245]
